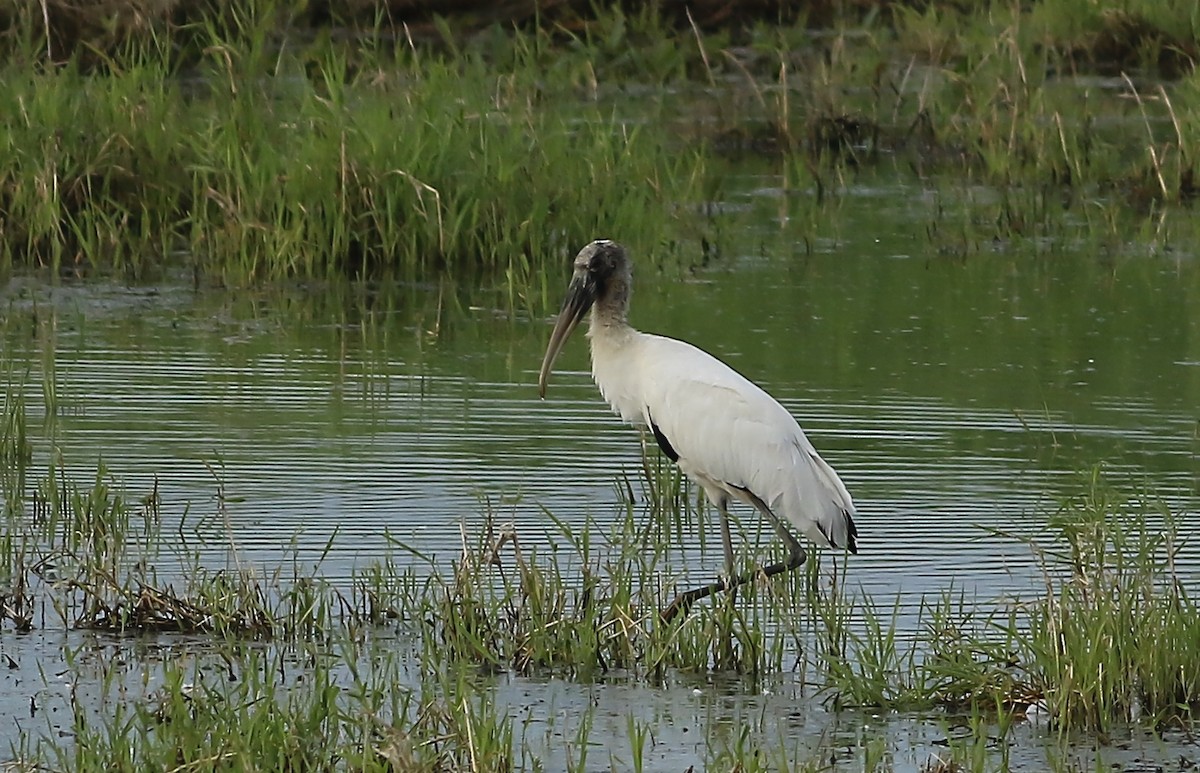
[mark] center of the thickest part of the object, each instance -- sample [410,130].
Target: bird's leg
[730,581]
[796,554]
[726,654]
[795,559]
[684,601]
[727,543]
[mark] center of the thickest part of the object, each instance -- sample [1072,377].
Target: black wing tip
[851,533]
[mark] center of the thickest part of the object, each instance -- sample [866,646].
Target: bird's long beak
[581,294]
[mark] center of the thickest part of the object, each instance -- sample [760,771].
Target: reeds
[255,152]
[269,162]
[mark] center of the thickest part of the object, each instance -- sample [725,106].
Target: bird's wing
[726,428]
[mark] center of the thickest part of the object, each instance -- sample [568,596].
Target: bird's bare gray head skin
[601,277]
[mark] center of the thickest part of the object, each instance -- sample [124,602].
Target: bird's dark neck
[611,309]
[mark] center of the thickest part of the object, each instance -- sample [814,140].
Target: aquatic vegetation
[393,670]
[999,114]
[1109,642]
[1115,636]
[1114,38]
[417,167]
[308,707]
[260,164]
[1000,110]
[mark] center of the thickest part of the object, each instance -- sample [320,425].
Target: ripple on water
[302,450]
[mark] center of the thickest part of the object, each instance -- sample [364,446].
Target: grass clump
[586,609]
[307,707]
[91,558]
[1109,642]
[1117,635]
[1112,38]
[997,97]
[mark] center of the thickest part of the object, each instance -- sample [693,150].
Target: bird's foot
[683,602]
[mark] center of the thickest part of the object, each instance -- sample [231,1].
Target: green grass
[352,708]
[245,149]
[1108,642]
[1117,630]
[412,167]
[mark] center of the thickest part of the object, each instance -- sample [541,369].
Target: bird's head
[601,274]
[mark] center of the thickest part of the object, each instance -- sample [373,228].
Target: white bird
[724,431]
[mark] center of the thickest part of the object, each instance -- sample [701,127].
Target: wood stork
[724,432]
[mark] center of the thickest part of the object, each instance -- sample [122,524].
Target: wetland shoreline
[243,151]
[980,225]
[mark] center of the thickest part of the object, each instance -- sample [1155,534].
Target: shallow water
[697,721]
[953,395]
[950,395]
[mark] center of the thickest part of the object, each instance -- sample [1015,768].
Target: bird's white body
[722,430]
[730,436]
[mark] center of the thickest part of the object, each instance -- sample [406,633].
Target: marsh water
[955,393]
